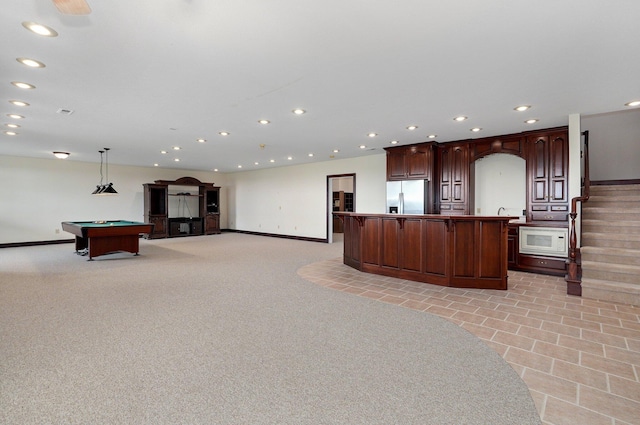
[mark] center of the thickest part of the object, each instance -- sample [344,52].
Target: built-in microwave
[544,241]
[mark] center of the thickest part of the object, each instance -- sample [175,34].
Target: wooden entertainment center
[172,219]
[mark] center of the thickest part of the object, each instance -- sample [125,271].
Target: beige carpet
[221,330]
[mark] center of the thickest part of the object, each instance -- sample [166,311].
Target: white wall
[293,200]
[36,195]
[500,183]
[614,145]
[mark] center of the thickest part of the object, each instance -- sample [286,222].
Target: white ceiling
[143,76]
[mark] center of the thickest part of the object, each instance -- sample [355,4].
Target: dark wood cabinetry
[547,176]
[464,252]
[414,162]
[453,184]
[511,144]
[156,208]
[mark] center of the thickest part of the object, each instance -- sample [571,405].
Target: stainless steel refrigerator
[406,197]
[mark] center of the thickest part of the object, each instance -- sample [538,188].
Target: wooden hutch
[169,221]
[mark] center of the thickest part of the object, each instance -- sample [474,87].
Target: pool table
[94,238]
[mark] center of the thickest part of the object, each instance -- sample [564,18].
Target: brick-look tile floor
[580,358]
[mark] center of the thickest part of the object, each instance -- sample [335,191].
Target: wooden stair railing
[574,272]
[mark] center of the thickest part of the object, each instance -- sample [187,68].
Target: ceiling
[144,76]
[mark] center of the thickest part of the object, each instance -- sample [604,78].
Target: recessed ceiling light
[476,129]
[363,147]
[531,121]
[289,158]
[336,150]
[460,118]
[177,160]
[155,165]
[201,140]
[22,85]
[412,127]
[310,154]
[163,152]
[176,148]
[15,116]
[61,155]
[394,142]
[264,121]
[298,111]
[10,133]
[522,108]
[215,169]
[256,163]
[18,103]
[432,136]
[40,29]
[31,62]
[633,103]
[224,133]
[12,125]
[239,166]
[272,160]
[372,134]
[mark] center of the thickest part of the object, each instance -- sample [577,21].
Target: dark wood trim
[35,243]
[277,235]
[614,182]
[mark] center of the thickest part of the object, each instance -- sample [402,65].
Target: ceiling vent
[62,111]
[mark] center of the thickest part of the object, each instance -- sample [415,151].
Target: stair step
[607,226]
[614,272]
[611,213]
[597,199]
[610,255]
[614,189]
[614,240]
[606,290]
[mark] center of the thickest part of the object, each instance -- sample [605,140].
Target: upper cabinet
[413,162]
[453,184]
[547,175]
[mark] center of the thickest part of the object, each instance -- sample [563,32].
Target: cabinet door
[547,176]
[211,224]
[159,226]
[454,179]
[395,164]
[558,167]
[538,169]
[418,162]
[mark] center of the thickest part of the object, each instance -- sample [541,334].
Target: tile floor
[580,358]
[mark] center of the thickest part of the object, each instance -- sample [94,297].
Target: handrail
[573,277]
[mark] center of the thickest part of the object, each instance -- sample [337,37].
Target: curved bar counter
[461,251]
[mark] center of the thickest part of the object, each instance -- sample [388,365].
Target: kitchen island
[461,251]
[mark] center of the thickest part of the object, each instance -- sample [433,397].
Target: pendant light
[104,189]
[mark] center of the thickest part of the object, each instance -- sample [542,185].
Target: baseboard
[277,235]
[35,243]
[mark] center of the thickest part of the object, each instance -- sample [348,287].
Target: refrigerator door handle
[401,203]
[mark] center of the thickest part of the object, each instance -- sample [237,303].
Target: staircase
[611,244]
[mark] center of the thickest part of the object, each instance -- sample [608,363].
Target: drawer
[541,262]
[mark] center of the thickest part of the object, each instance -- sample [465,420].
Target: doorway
[341,197]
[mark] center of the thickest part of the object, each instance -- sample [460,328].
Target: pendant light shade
[104,189]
